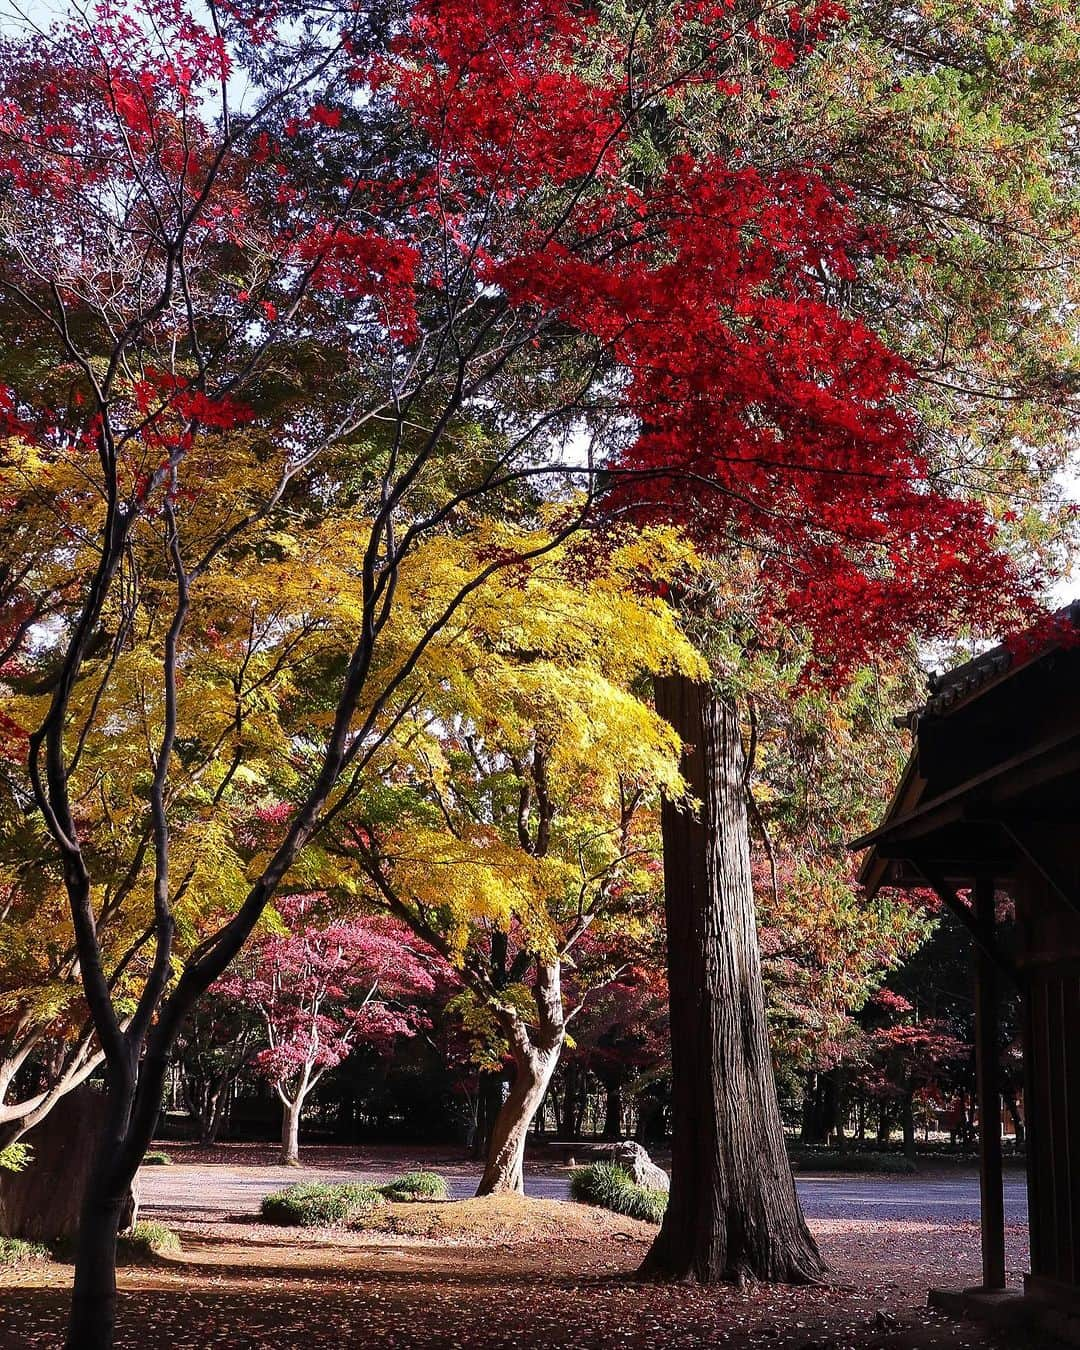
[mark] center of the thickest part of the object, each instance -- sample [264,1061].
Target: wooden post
[989,1096]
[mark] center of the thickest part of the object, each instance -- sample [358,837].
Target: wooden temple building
[988,809]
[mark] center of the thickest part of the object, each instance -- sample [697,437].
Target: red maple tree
[325,986]
[448,209]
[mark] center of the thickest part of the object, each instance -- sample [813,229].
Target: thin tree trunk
[290,1132]
[93,1305]
[1012,1104]
[536,1056]
[908,1121]
[733,1212]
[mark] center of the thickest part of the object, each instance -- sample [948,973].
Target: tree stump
[42,1203]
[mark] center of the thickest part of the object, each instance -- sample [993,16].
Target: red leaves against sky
[767,417]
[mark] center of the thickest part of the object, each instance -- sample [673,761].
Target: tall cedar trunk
[536,1056]
[290,1132]
[733,1212]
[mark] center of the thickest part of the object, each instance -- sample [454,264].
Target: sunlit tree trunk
[536,1054]
[290,1133]
[733,1211]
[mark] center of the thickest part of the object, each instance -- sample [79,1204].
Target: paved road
[206,1192]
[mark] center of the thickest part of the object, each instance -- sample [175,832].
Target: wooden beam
[1051,758]
[982,934]
[988,1093]
[1047,868]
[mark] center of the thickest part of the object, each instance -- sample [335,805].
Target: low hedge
[894,1164]
[14,1251]
[316,1204]
[612,1187]
[416,1186]
[146,1241]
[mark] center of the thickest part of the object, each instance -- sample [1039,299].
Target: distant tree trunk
[290,1130]
[206,1101]
[733,1212]
[883,1125]
[536,1054]
[613,1110]
[1012,1105]
[490,1095]
[650,1126]
[907,1119]
[808,1132]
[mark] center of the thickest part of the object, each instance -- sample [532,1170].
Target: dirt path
[528,1273]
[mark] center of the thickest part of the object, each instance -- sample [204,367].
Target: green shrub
[14,1251]
[146,1241]
[15,1157]
[416,1186]
[612,1187]
[157,1159]
[832,1161]
[315,1204]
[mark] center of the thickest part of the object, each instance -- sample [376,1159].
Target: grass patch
[612,1187]
[15,1252]
[416,1186]
[316,1204]
[894,1164]
[146,1242]
[157,1159]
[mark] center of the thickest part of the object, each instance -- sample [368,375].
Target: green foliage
[14,1251]
[316,1204]
[146,1241]
[612,1187]
[811,1160]
[157,1159]
[15,1157]
[416,1186]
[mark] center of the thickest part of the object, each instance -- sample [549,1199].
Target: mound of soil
[505,1220]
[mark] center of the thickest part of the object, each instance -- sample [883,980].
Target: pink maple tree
[324,986]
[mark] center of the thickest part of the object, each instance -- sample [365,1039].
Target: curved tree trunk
[536,1056]
[733,1212]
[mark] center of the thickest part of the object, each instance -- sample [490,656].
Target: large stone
[641,1167]
[42,1203]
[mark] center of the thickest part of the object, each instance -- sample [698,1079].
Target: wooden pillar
[989,1096]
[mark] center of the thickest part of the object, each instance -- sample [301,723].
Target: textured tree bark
[733,1213]
[44,1202]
